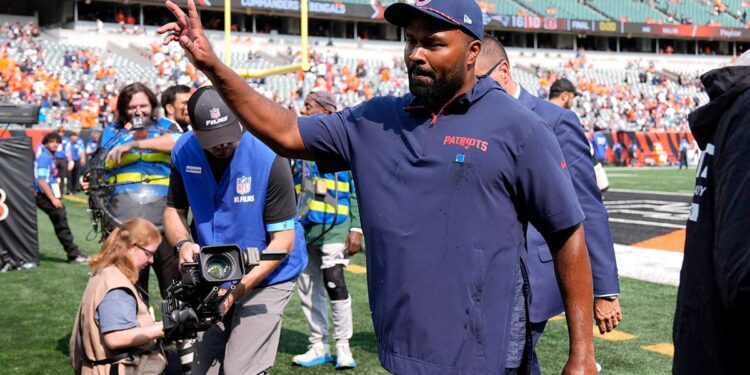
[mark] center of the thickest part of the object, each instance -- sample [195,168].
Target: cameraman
[113,326]
[240,192]
[140,177]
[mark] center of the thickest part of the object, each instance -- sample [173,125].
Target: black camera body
[192,304]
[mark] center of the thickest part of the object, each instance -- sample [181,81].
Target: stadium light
[261,73]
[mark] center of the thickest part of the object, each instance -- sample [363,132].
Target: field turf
[665,179]
[39,305]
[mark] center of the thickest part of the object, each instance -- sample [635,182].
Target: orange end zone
[674,241]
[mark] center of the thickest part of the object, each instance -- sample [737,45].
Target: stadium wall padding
[648,145]
[18,225]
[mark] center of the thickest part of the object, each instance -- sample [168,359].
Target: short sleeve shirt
[44,168]
[444,201]
[117,311]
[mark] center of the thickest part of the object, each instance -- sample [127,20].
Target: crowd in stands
[652,101]
[645,98]
[26,79]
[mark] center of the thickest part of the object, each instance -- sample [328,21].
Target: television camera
[192,304]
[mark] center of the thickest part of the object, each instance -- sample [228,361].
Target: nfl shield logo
[214,112]
[243,185]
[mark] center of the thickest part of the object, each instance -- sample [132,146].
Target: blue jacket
[546,301]
[232,211]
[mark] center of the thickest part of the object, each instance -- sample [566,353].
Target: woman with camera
[114,332]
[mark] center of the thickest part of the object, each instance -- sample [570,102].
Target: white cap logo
[467,19]
[215,114]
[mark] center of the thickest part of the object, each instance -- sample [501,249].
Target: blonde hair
[114,252]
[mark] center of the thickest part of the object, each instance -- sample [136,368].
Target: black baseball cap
[325,99]
[463,14]
[212,120]
[560,86]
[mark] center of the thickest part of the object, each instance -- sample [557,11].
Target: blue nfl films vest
[139,171]
[328,206]
[232,211]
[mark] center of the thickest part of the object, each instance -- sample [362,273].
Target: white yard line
[646,223]
[649,192]
[656,266]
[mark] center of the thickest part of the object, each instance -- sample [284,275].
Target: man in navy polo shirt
[546,301]
[450,176]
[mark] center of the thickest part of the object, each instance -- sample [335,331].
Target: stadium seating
[697,11]
[630,10]
[562,9]
[619,91]
[506,7]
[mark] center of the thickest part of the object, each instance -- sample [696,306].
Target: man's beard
[439,88]
[182,123]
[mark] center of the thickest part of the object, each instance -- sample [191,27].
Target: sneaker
[344,357]
[81,259]
[317,354]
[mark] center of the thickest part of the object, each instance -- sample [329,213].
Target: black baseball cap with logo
[560,86]
[212,120]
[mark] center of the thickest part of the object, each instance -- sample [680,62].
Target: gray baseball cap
[212,120]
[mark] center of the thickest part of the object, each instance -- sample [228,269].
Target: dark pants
[60,223]
[683,160]
[61,165]
[73,177]
[166,267]
[536,332]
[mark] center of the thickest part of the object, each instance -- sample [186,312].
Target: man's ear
[170,109]
[475,48]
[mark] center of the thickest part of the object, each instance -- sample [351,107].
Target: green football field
[39,306]
[666,179]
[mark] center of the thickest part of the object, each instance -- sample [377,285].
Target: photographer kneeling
[240,192]
[114,332]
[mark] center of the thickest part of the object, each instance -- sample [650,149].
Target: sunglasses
[147,251]
[489,72]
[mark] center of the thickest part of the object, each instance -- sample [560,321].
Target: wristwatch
[609,298]
[179,245]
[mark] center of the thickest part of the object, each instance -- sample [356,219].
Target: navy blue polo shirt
[444,202]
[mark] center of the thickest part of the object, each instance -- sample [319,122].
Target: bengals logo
[3,207]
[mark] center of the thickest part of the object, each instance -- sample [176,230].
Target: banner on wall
[18,227]
[651,148]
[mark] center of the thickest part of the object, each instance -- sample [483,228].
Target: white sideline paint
[646,223]
[656,266]
[649,192]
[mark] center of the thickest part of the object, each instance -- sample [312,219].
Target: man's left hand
[116,153]
[607,314]
[226,304]
[354,242]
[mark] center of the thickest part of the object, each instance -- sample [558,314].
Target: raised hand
[188,31]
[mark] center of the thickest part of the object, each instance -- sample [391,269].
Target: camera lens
[219,266]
